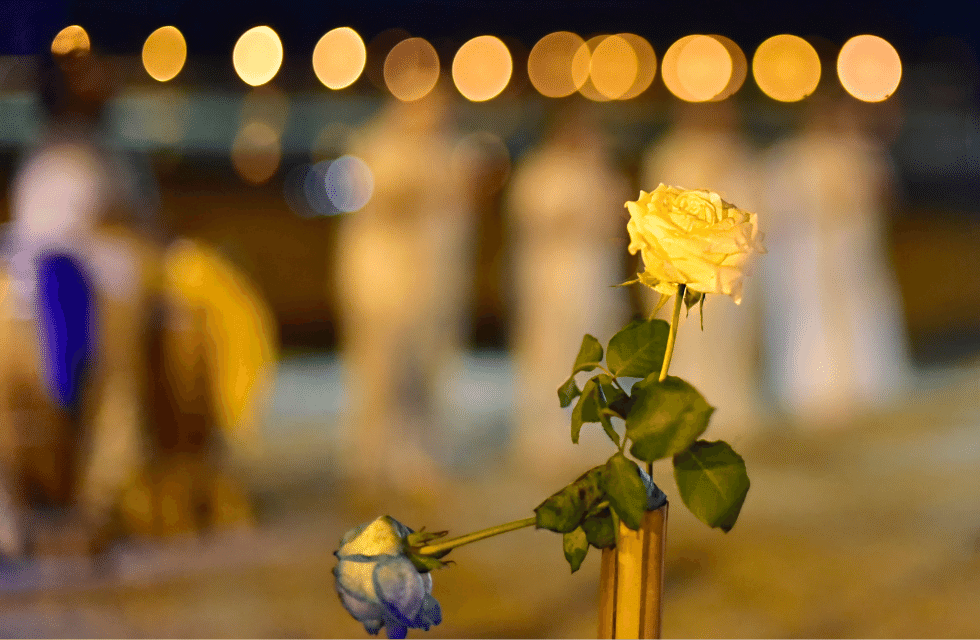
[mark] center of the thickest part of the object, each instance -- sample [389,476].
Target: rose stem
[671,337]
[431,549]
[675,320]
[489,533]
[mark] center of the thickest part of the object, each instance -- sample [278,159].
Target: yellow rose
[694,238]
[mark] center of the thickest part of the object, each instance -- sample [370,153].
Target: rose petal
[400,588]
[370,614]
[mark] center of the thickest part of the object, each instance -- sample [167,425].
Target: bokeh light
[349,183]
[339,58]
[786,68]
[256,152]
[257,55]
[314,189]
[646,65]
[582,68]
[704,68]
[869,68]
[740,68]
[164,53]
[482,68]
[411,69]
[614,67]
[549,65]
[71,39]
[668,69]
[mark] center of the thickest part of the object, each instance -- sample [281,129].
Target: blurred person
[567,224]
[83,311]
[69,399]
[835,345]
[705,149]
[403,272]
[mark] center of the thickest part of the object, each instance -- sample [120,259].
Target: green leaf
[666,418]
[576,546]
[586,409]
[568,392]
[604,419]
[625,490]
[638,349]
[599,530]
[589,355]
[564,510]
[712,482]
[610,392]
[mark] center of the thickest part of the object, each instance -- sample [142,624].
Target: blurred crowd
[134,362]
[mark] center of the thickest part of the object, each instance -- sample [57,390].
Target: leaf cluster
[663,419]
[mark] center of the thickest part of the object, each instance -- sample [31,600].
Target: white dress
[402,271]
[566,209]
[835,342]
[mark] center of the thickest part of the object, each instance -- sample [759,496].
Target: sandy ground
[870,531]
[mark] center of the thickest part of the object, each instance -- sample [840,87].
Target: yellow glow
[704,68]
[339,57]
[646,61]
[869,68]
[164,53]
[740,68]
[72,38]
[582,67]
[614,67]
[258,55]
[411,69]
[482,68]
[549,65]
[668,69]
[786,68]
[256,152]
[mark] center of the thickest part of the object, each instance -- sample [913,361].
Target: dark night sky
[211,26]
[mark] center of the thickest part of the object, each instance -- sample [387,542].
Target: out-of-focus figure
[96,340]
[706,150]
[72,317]
[403,272]
[835,342]
[568,235]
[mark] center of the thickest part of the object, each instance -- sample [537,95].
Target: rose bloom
[379,585]
[693,237]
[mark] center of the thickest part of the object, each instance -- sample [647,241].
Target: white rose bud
[694,238]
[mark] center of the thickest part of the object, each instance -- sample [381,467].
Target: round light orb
[869,68]
[786,68]
[339,58]
[411,69]
[256,152]
[258,55]
[582,68]
[349,183]
[704,68]
[668,69]
[646,65]
[164,53]
[482,68]
[614,67]
[740,68]
[71,39]
[549,65]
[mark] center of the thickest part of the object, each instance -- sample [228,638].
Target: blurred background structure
[272,270]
